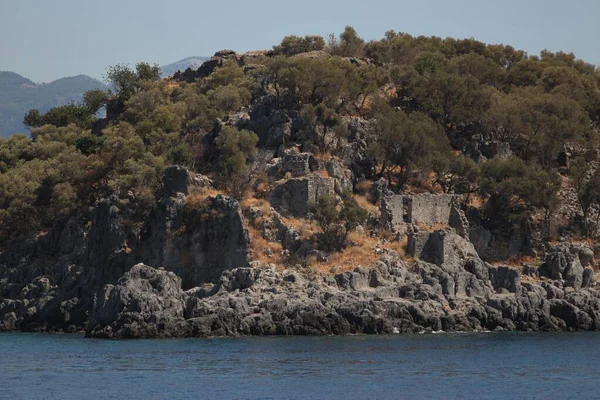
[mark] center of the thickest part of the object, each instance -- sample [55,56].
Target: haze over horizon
[49,40]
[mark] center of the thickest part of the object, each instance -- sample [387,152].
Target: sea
[426,366]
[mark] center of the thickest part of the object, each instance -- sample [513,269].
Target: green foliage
[89,144]
[456,173]
[537,124]
[61,116]
[337,222]
[292,45]
[407,142]
[33,119]
[402,105]
[127,81]
[514,188]
[349,44]
[180,155]
[95,99]
[235,148]
[352,214]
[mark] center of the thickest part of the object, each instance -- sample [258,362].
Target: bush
[292,45]
[89,144]
[335,223]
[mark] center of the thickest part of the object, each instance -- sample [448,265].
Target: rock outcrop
[146,302]
[391,297]
[197,244]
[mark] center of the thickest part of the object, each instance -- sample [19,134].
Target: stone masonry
[422,209]
[299,164]
[295,195]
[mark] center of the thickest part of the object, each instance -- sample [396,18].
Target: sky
[44,40]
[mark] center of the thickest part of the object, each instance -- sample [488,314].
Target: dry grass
[365,203]
[519,261]
[322,172]
[261,204]
[476,201]
[196,201]
[361,253]
[206,192]
[324,156]
[306,228]
[364,187]
[259,245]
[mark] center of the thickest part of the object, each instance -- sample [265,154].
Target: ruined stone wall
[392,213]
[298,164]
[422,209]
[428,209]
[294,196]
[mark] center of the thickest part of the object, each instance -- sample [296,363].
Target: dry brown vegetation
[262,250]
[364,187]
[365,203]
[364,251]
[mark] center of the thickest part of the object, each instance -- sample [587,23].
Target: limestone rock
[146,302]
[198,245]
[506,278]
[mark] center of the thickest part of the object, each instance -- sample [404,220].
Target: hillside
[402,185]
[18,95]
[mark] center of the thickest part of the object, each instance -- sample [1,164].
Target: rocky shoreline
[459,293]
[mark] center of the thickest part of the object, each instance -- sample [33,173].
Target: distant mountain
[18,95]
[182,65]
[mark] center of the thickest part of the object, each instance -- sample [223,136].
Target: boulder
[565,267]
[146,302]
[507,278]
[588,278]
[586,256]
[440,247]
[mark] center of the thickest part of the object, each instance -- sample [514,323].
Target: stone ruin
[295,195]
[299,164]
[397,211]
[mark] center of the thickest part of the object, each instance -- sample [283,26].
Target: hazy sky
[47,39]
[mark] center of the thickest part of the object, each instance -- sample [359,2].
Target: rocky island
[411,184]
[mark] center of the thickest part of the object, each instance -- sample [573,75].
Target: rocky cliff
[283,222]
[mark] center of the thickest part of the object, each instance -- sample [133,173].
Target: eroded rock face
[565,267]
[108,254]
[198,245]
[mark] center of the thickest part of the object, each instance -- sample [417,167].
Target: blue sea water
[444,366]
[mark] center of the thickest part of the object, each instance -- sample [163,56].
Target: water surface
[444,366]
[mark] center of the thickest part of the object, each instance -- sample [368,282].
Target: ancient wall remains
[295,196]
[299,164]
[428,209]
